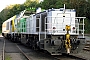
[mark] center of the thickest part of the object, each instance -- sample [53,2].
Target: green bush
[87,26]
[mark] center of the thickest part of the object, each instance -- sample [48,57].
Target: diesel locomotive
[54,30]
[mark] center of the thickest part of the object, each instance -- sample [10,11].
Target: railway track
[3,52]
[44,56]
[24,54]
[87,46]
[82,56]
[69,57]
[11,48]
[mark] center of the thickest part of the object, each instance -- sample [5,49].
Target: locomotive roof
[61,9]
[10,19]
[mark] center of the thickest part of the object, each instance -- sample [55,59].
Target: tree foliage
[30,3]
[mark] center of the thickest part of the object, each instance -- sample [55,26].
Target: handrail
[76,18]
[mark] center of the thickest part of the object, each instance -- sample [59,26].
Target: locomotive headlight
[73,29]
[54,29]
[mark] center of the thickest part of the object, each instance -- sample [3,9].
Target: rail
[3,53]
[28,58]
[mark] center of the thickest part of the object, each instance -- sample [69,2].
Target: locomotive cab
[54,37]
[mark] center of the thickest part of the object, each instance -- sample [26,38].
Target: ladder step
[41,43]
[87,46]
[86,49]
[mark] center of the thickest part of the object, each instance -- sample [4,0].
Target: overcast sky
[4,3]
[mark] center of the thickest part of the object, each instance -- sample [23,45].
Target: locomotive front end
[62,30]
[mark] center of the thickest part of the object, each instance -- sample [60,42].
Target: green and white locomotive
[54,30]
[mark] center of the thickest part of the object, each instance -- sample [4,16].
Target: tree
[30,3]
[48,4]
